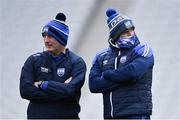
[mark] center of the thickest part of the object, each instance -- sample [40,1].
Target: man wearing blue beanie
[52,80]
[123,72]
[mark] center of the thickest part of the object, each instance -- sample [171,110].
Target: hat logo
[128,24]
[115,21]
[45,30]
[60,72]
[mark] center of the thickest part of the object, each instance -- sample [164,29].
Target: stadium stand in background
[157,23]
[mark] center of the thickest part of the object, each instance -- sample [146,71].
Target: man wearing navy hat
[52,80]
[123,72]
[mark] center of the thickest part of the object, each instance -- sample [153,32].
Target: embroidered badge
[60,72]
[123,59]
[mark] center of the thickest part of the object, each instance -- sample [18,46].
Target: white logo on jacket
[60,72]
[105,62]
[123,59]
[45,70]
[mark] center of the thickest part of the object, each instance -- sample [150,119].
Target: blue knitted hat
[57,29]
[117,23]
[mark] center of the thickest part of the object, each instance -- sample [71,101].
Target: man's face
[127,33]
[126,39]
[52,44]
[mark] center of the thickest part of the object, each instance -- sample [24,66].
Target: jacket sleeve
[27,88]
[98,84]
[133,70]
[64,90]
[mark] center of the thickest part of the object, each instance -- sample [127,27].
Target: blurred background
[157,23]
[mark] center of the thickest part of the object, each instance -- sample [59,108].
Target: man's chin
[49,50]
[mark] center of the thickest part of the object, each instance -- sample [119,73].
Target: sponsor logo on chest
[105,62]
[45,70]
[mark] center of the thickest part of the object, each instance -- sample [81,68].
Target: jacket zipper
[111,100]
[111,104]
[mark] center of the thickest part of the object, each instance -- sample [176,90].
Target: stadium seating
[157,23]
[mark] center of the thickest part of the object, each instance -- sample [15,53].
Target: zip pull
[110,97]
[116,60]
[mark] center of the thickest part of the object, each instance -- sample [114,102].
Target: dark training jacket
[124,78]
[59,99]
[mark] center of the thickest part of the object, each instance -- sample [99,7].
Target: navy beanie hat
[57,29]
[117,23]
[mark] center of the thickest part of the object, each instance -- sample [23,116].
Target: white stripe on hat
[59,30]
[61,22]
[113,19]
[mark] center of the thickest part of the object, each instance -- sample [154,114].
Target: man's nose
[46,38]
[129,32]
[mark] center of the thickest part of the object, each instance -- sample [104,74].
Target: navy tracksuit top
[124,78]
[59,100]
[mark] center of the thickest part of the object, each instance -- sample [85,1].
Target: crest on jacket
[60,72]
[123,59]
